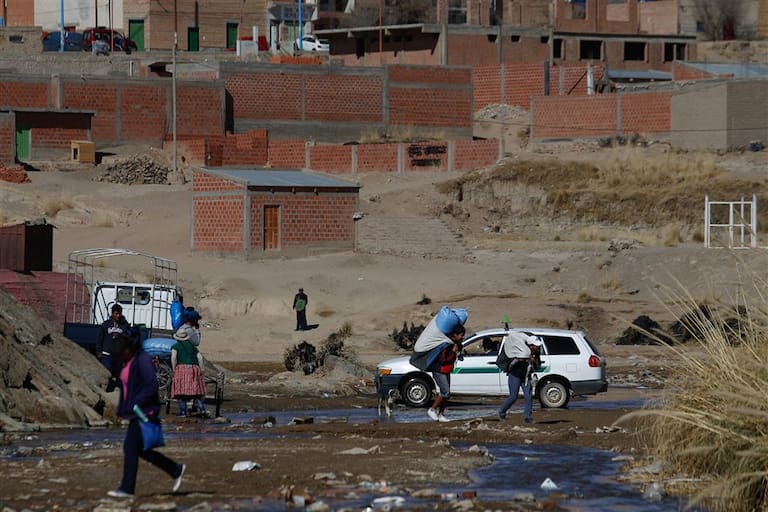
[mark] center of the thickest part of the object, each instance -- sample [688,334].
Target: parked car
[122,43]
[73,41]
[311,43]
[571,365]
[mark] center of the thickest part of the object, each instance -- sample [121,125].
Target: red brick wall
[646,112]
[265,95]
[525,80]
[682,71]
[426,156]
[245,149]
[139,107]
[344,98]
[307,219]
[287,154]
[594,116]
[192,149]
[377,157]
[95,95]
[202,182]
[200,109]
[330,158]
[218,223]
[471,154]
[23,93]
[44,292]
[7,139]
[428,105]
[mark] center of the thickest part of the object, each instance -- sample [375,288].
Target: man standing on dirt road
[300,302]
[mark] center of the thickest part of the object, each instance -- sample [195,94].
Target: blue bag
[160,347]
[151,434]
[448,319]
[176,314]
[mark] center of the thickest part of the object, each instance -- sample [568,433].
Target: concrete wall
[747,110]
[20,42]
[699,119]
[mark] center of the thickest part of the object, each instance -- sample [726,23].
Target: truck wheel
[554,394]
[416,392]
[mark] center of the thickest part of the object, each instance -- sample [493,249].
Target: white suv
[571,365]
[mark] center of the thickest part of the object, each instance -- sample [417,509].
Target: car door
[477,373]
[562,356]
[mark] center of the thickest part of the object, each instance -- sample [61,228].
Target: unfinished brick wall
[423,96]
[471,154]
[330,158]
[44,292]
[601,115]
[246,149]
[515,84]
[683,71]
[287,154]
[343,98]
[218,223]
[7,139]
[24,92]
[426,156]
[377,157]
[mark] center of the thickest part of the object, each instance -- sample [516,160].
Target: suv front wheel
[553,394]
[416,392]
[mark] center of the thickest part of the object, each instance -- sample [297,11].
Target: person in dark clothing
[110,330]
[138,387]
[300,302]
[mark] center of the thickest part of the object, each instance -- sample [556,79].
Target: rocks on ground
[140,170]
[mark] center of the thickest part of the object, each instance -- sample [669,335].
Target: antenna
[506,322]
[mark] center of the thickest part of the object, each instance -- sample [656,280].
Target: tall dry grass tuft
[714,416]
[54,204]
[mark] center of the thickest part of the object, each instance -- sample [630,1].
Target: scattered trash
[549,485]
[302,421]
[361,451]
[245,465]
[324,476]
[524,497]
[609,429]
[388,502]
[654,492]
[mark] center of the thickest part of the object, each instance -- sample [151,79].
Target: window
[125,295]
[560,345]
[485,346]
[457,12]
[579,9]
[590,49]
[515,38]
[634,51]
[558,45]
[674,51]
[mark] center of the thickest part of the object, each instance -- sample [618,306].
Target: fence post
[706,221]
[754,221]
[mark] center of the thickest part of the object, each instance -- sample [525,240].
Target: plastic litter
[549,485]
[245,465]
[387,502]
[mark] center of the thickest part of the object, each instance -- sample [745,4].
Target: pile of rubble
[140,170]
[501,112]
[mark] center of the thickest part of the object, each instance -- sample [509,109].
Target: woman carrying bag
[139,396]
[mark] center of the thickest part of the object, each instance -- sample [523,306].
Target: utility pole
[61,32]
[381,39]
[301,29]
[173,77]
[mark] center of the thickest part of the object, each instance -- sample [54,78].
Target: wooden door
[271,227]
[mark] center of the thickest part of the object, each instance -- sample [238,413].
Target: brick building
[269,212]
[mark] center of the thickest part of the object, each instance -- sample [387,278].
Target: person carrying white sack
[523,352]
[436,351]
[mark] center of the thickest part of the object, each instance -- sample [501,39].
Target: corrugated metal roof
[744,70]
[628,74]
[280,178]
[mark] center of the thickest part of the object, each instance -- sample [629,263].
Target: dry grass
[671,234]
[400,134]
[612,284]
[101,220]
[714,416]
[591,234]
[324,312]
[632,190]
[54,204]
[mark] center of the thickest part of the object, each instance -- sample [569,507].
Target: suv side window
[560,345]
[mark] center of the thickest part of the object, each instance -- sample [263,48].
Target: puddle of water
[587,477]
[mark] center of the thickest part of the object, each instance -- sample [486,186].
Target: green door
[136,33]
[23,142]
[193,39]
[231,35]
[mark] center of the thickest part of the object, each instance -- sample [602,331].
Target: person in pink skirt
[188,378]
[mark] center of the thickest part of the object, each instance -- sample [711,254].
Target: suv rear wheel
[416,392]
[553,394]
